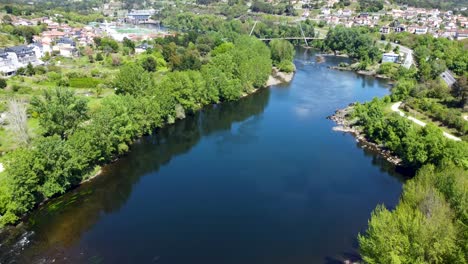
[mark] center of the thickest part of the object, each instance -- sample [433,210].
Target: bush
[449,117]
[286,66]
[99,57]
[41,70]
[3,83]
[84,82]
[95,73]
[63,82]
[72,75]
[25,90]
[16,87]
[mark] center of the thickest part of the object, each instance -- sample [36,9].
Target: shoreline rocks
[340,117]
[278,77]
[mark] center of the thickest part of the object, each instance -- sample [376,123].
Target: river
[261,180]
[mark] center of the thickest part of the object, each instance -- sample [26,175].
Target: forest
[429,225]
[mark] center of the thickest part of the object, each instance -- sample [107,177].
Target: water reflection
[60,224]
[244,182]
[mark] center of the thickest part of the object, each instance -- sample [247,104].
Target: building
[448,78]
[390,57]
[420,30]
[66,47]
[13,58]
[8,62]
[385,30]
[139,16]
[25,54]
[461,34]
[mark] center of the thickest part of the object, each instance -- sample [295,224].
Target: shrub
[343,64]
[25,90]
[72,75]
[15,87]
[99,57]
[84,82]
[63,82]
[286,66]
[95,73]
[3,83]
[41,70]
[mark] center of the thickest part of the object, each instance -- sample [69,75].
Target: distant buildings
[139,16]
[417,21]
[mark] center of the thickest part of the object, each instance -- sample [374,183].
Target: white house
[390,57]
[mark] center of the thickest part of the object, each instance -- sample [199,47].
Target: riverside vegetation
[430,224]
[179,75]
[76,135]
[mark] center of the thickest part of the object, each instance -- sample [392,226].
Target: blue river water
[261,180]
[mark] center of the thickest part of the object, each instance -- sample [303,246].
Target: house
[399,28]
[139,16]
[16,57]
[66,47]
[325,11]
[448,78]
[390,57]
[8,62]
[347,13]
[25,54]
[461,34]
[142,48]
[417,30]
[420,30]
[385,30]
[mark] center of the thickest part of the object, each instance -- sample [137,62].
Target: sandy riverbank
[278,77]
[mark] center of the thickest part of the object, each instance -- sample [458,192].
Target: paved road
[408,52]
[395,108]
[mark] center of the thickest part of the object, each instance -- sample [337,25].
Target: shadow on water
[60,223]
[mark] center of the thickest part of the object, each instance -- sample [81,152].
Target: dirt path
[395,108]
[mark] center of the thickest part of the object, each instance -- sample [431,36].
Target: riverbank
[278,77]
[342,118]
[353,68]
[159,184]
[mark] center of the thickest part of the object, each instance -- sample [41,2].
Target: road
[395,108]
[409,53]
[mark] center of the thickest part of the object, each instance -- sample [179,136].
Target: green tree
[428,226]
[281,50]
[3,83]
[30,71]
[60,111]
[149,63]
[21,186]
[128,43]
[132,79]
[460,91]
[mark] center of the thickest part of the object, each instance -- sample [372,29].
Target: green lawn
[428,120]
